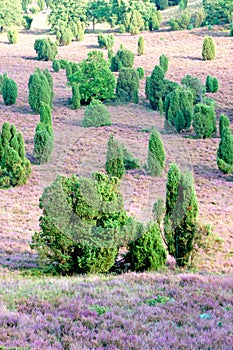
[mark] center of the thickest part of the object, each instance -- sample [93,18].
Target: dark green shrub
[14,167]
[158,211]
[163,62]
[161,4]
[46,117]
[141,46]
[130,162]
[68,70]
[46,49]
[225,152]
[43,144]
[224,122]
[154,22]
[211,84]
[56,66]
[39,90]
[49,78]
[127,84]
[123,58]
[41,4]
[114,159]
[12,35]
[96,114]
[106,41]
[34,10]
[64,36]
[196,86]
[156,86]
[141,72]
[147,251]
[9,91]
[215,85]
[208,49]
[94,78]
[78,29]
[27,22]
[181,22]
[160,107]
[180,221]
[156,154]
[76,104]
[204,120]
[63,63]
[82,225]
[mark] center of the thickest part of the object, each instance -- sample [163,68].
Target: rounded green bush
[96,114]
[208,49]
[56,66]
[9,91]
[12,35]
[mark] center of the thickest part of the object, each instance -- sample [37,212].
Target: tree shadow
[210,173]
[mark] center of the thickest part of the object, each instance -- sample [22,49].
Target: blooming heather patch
[132,311]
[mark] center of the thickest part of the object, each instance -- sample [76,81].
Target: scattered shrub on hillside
[78,29]
[27,22]
[9,91]
[76,104]
[123,58]
[46,49]
[180,221]
[146,252]
[41,4]
[154,22]
[114,159]
[195,85]
[224,122]
[39,90]
[34,10]
[12,35]
[83,224]
[133,22]
[204,120]
[225,152]
[56,66]
[127,84]
[141,46]
[156,86]
[141,72]
[15,168]
[106,41]
[156,154]
[211,84]
[161,4]
[96,114]
[199,17]
[208,49]
[63,63]
[49,78]
[130,162]
[181,22]
[64,36]
[163,62]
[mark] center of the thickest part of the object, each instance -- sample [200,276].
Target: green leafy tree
[225,152]
[208,49]
[83,224]
[78,30]
[156,154]
[180,221]
[10,13]
[96,114]
[224,122]
[95,79]
[9,91]
[141,46]
[147,251]
[127,84]
[64,36]
[97,11]
[114,159]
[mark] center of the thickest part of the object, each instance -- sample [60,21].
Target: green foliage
[127,84]
[211,84]
[123,58]
[43,144]
[158,211]
[154,22]
[218,11]
[46,117]
[96,114]
[199,17]
[114,159]
[208,49]
[180,222]
[41,4]
[98,11]
[9,91]
[141,72]
[156,154]
[82,225]
[25,4]
[49,78]
[75,96]
[133,22]
[14,167]
[34,10]
[156,86]
[64,36]
[161,4]
[160,107]
[39,90]
[94,77]
[27,22]
[63,63]
[196,86]
[224,122]
[181,22]
[146,252]
[46,49]
[12,35]
[225,151]
[179,108]
[204,120]
[56,66]
[163,62]
[130,162]
[78,29]
[10,13]
[141,46]
[106,41]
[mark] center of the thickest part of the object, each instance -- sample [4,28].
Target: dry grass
[82,151]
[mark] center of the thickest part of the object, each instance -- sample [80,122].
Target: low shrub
[127,84]
[204,120]
[46,49]
[56,66]
[96,114]
[9,91]
[123,58]
[27,22]
[12,35]
[141,72]
[208,49]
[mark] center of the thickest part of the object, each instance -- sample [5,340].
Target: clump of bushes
[12,35]
[208,49]
[156,154]
[141,72]
[9,90]
[195,85]
[64,36]
[96,114]
[211,84]
[127,85]
[15,168]
[46,49]
[123,58]
[106,41]
[181,22]
[204,120]
[56,65]
[27,22]
[114,159]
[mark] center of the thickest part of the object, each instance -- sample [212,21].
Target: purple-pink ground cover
[131,311]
